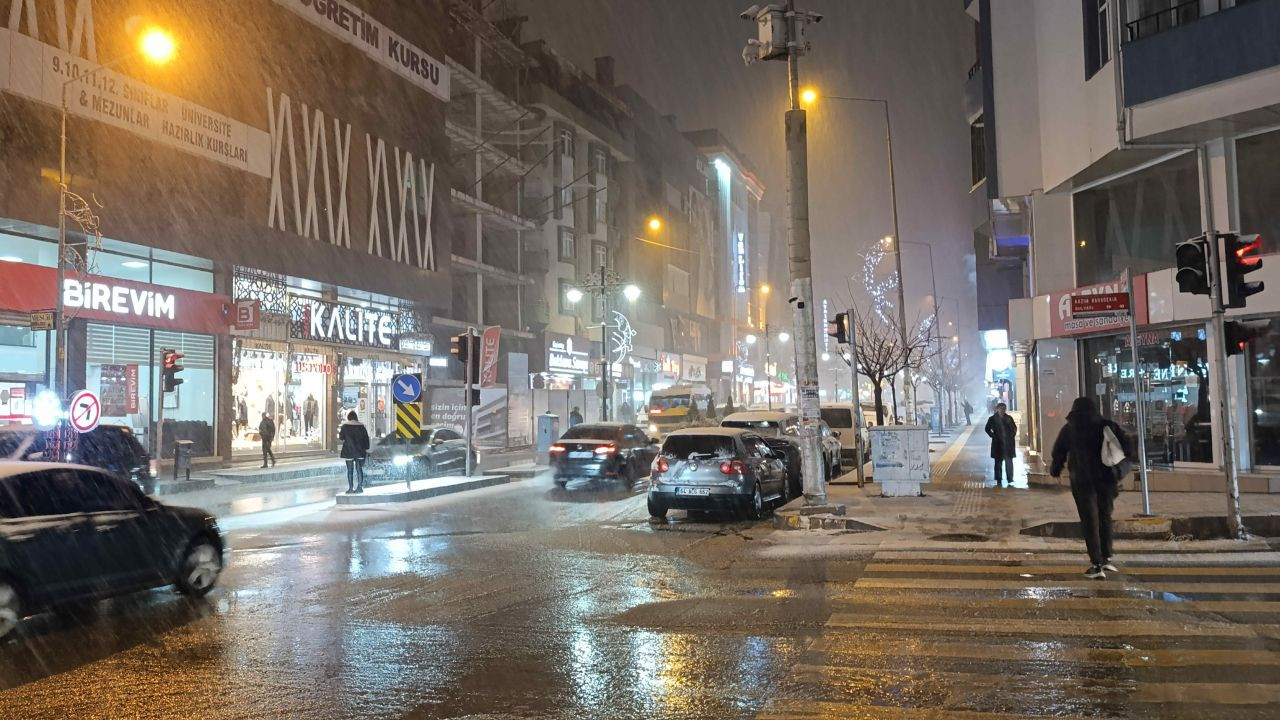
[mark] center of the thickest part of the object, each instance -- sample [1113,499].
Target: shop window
[1133,222]
[1256,162]
[290,387]
[1173,364]
[1263,360]
[118,367]
[566,307]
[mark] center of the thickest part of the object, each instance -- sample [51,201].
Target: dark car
[110,447]
[439,451]
[71,533]
[717,469]
[613,451]
[781,430]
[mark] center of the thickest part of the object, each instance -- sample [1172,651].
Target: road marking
[1078,558]
[1068,627]
[1212,693]
[837,646]
[820,710]
[943,467]
[1064,569]
[901,600]
[1083,584]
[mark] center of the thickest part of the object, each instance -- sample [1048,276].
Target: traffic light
[839,328]
[465,345]
[171,370]
[1243,255]
[1193,266]
[1240,332]
[475,397]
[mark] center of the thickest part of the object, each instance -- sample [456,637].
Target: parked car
[717,469]
[840,416]
[602,450]
[439,451]
[109,447]
[71,533]
[782,430]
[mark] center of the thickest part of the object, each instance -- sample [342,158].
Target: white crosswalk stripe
[959,634]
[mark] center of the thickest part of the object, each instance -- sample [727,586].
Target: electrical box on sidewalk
[900,459]
[548,432]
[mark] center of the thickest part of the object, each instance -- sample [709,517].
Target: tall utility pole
[780,35]
[1221,390]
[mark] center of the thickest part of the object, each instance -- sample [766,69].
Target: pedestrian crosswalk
[955,633]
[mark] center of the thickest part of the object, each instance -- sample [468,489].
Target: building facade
[1114,130]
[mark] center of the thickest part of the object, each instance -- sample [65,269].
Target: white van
[678,406]
[840,417]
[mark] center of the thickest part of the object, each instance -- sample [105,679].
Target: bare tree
[881,355]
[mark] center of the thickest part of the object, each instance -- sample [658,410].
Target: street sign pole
[472,349]
[1220,394]
[1138,401]
[858,420]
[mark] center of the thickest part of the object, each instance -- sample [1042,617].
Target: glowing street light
[631,292]
[157,45]
[826,356]
[751,339]
[808,96]
[765,289]
[654,224]
[784,336]
[573,295]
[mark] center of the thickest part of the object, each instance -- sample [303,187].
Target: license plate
[580,455]
[693,491]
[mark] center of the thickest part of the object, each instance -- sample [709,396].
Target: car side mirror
[835,433]
[437,441]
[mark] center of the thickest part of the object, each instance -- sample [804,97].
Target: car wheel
[201,566]
[757,509]
[10,608]
[656,509]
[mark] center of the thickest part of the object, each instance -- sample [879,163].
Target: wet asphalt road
[510,602]
[524,601]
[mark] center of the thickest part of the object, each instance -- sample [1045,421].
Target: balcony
[1187,46]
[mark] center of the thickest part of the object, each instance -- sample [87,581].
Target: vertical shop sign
[131,382]
[489,356]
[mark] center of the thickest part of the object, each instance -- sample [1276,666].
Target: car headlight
[401,460]
[653,428]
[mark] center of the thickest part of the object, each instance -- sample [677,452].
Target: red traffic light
[1244,250]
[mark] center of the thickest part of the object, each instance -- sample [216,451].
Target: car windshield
[697,446]
[590,432]
[660,404]
[393,439]
[765,427]
[837,417]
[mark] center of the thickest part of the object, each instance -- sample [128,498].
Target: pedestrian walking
[575,416]
[728,406]
[626,413]
[1094,485]
[355,448]
[267,431]
[968,410]
[1003,432]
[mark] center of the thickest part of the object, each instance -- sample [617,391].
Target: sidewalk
[962,500]
[248,488]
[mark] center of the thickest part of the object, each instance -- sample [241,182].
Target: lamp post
[809,96]
[603,284]
[158,47]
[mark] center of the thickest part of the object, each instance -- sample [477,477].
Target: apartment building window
[601,204]
[600,161]
[1133,221]
[566,142]
[566,307]
[978,151]
[557,204]
[568,245]
[593,214]
[567,198]
[599,256]
[1097,35]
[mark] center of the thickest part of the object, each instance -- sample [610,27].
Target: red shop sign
[1063,324]
[1099,305]
[27,288]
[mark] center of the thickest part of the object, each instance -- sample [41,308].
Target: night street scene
[639,359]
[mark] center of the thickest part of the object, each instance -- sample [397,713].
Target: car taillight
[655,411]
[556,449]
[660,465]
[606,449]
[733,467]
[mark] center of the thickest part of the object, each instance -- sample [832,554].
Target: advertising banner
[489,356]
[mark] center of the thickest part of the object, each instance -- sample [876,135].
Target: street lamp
[751,339]
[810,97]
[604,283]
[654,224]
[158,47]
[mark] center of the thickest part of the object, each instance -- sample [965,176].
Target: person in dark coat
[355,448]
[1003,432]
[267,431]
[575,416]
[1093,485]
[968,411]
[728,406]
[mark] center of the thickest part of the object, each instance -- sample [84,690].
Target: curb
[421,493]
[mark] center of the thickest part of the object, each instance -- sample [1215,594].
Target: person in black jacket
[1003,432]
[267,431]
[355,448]
[1093,484]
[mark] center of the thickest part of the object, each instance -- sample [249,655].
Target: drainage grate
[960,537]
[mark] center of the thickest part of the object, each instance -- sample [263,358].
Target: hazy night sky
[685,56]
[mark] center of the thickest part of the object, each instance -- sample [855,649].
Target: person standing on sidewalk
[1003,432]
[968,411]
[1093,485]
[355,448]
[575,416]
[267,431]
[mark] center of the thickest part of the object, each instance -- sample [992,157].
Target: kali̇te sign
[325,321]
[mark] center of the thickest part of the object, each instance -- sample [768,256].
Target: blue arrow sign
[406,388]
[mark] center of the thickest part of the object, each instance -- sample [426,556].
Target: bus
[676,407]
